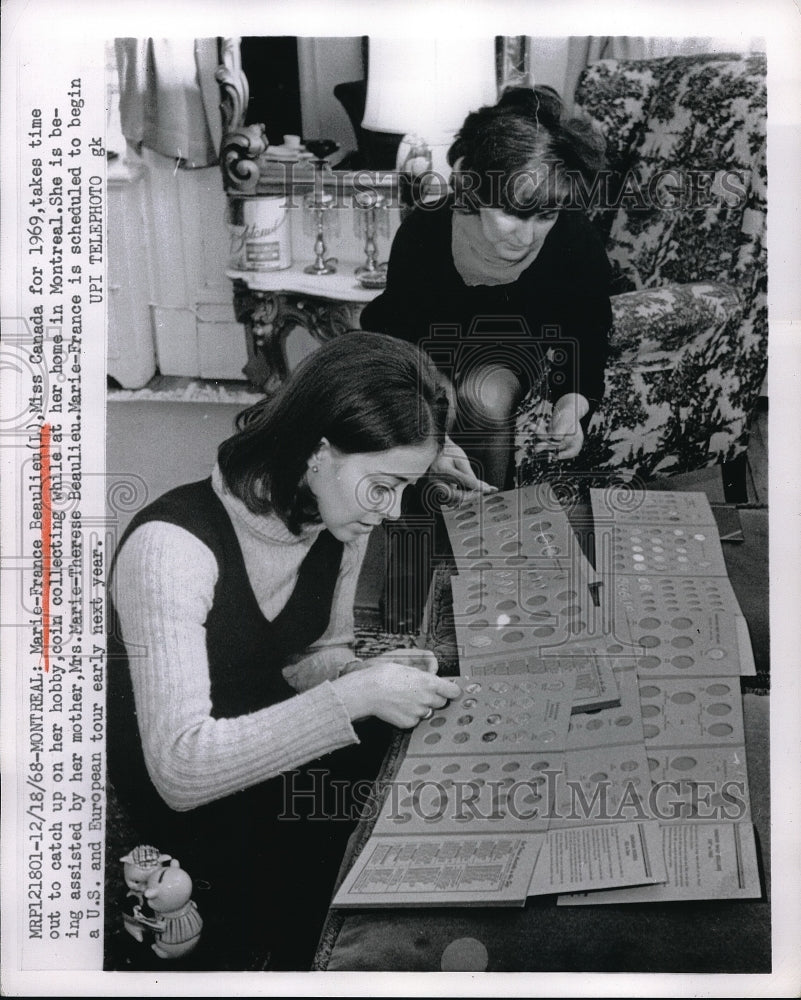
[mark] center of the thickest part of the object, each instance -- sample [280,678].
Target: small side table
[271,304]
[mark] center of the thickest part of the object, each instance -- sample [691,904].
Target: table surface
[341,286]
[710,936]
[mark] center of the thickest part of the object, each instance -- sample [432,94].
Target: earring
[314,468]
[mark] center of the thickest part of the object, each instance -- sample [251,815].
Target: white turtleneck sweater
[164,585]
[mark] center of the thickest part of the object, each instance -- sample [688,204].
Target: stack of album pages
[597,750]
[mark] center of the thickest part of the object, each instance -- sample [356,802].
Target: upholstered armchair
[682,209]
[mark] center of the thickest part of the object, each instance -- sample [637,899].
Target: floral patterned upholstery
[682,209]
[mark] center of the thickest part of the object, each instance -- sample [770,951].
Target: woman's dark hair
[519,154]
[363,392]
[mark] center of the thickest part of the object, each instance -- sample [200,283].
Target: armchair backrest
[687,184]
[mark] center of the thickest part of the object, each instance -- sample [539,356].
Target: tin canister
[260,234]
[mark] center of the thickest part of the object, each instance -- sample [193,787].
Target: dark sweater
[560,300]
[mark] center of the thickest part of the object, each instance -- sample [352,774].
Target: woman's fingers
[398,692]
[453,463]
[464,477]
[435,692]
[562,445]
[571,449]
[439,702]
[442,687]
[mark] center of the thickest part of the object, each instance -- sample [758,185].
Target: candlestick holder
[369,220]
[319,204]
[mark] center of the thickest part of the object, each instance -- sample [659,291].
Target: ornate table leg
[323,318]
[269,318]
[258,311]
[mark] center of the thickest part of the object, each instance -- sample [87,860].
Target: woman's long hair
[363,392]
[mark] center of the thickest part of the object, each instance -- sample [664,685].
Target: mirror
[312,88]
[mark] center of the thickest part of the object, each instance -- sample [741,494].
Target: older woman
[232,663]
[506,283]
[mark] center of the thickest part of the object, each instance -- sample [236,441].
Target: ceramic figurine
[138,866]
[176,923]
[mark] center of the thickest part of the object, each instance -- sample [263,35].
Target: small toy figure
[176,922]
[138,866]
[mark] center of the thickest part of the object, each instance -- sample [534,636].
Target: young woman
[239,717]
[506,283]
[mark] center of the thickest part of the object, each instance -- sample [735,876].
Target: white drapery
[169,98]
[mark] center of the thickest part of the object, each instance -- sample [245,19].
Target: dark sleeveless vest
[237,845]
[246,652]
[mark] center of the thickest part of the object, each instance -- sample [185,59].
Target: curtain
[169,98]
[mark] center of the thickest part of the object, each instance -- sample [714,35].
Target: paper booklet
[592,857]
[703,860]
[465,817]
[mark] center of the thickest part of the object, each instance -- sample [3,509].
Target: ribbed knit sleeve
[164,583]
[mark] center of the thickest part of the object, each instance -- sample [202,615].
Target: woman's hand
[394,691]
[563,435]
[453,465]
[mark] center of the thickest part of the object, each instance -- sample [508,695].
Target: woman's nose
[394,510]
[524,230]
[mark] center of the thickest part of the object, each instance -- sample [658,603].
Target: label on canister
[259,229]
